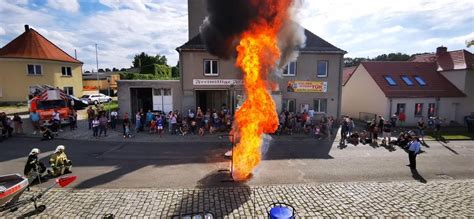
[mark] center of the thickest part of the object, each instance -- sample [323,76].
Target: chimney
[440,50]
[27,27]
[197,12]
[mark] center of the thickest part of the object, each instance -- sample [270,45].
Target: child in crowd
[153,126]
[160,122]
[127,131]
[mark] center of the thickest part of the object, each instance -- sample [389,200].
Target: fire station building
[312,82]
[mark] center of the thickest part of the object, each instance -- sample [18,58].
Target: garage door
[162,100]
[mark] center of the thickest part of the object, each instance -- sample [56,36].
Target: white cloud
[18,2]
[139,5]
[363,28]
[67,5]
[156,28]
[2,31]
[393,29]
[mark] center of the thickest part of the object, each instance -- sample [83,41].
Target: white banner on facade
[210,82]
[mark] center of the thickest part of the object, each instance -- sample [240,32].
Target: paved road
[435,199]
[289,160]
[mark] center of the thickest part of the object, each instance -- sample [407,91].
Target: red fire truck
[46,101]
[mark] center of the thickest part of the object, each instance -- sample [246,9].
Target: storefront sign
[307,86]
[210,82]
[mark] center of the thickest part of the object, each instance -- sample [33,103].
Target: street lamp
[108,92]
[97,66]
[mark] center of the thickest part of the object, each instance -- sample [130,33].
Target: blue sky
[122,28]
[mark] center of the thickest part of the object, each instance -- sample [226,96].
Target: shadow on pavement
[212,196]
[31,213]
[447,147]
[417,176]
[127,157]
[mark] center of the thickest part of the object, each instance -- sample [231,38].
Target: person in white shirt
[113,119]
[95,126]
[57,119]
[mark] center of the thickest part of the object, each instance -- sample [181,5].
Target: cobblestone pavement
[439,198]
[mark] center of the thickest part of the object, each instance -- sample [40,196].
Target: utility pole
[97,66]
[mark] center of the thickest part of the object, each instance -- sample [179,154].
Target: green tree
[143,59]
[175,71]
[392,57]
[348,62]
[101,70]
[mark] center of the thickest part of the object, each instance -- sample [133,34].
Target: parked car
[96,98]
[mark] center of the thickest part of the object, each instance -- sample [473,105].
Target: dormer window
[390,81]
[407,80]
[420,81]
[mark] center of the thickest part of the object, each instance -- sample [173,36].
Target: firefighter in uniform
[59,162]
[33,167]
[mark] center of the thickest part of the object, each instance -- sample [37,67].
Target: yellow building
[30,60]
[107,80]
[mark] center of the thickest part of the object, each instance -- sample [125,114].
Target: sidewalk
[83,133]
[443,198]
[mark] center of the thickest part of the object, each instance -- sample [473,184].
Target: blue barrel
[281,212]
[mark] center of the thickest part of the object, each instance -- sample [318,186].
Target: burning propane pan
[203,215]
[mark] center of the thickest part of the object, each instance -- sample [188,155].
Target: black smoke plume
[228,19]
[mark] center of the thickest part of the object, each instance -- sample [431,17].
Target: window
[35,69]
[66,71]
[162,91]
[167,92]
[431,110]
[407,80]
[420,81]
[322,69]
[211,68]
[289,105]
[69,90]
[400,108]
[304,107]
[157,92]
[320,105]
[290,69]
[418,109]
[390,80]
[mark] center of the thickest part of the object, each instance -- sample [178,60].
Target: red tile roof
[436,84]
[347,73]
[32,45]
[453,60]
[430,57]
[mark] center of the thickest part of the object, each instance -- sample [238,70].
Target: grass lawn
[14,109]
[458,135]
[111,106]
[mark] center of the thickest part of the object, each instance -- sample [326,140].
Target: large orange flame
[258,54]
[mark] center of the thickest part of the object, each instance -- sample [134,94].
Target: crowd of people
[194,122]
[209,121]
[306,122]
[384,128]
